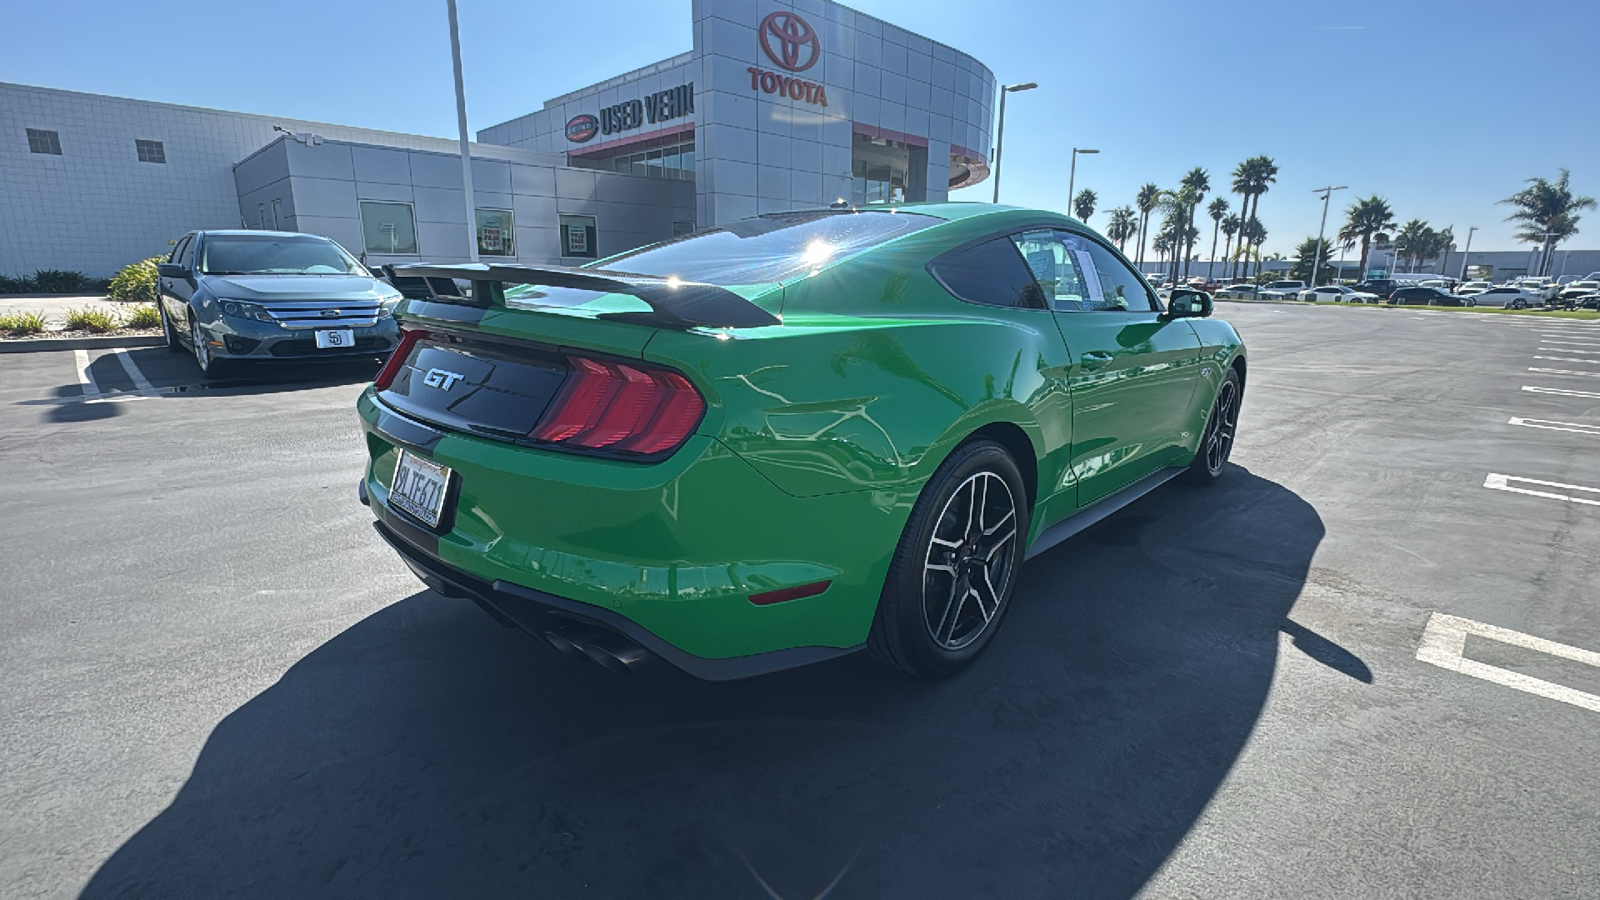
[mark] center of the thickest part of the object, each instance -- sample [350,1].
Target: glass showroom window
[577,236]
[494,233]
[388,227]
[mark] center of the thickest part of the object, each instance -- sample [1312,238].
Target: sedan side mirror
[1188,304]
[171,270]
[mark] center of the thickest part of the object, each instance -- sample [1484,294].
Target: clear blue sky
[1441,107]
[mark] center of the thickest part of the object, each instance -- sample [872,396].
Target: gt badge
[442,379]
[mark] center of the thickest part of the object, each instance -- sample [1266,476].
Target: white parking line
[90,389]
[1571,337]
[1564,349]
[1562,372]
[1444,641]
[1574,427]
[146,389]
[1591,362]
[1498,482]
[1564,393]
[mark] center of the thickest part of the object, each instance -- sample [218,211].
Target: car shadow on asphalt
[427,752]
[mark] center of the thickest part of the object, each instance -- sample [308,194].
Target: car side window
[177,251]
[186,254]
[1120,288]
[991,274]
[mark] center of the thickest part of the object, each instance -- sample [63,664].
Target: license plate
[419,487]
[336,339]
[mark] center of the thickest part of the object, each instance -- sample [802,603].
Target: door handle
[1096,358]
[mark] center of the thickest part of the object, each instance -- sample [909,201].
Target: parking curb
[110,342]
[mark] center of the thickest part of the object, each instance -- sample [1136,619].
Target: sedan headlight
[241,310]
[386,305]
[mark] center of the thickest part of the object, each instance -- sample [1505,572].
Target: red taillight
[621,407]
[790,593]
[391,368]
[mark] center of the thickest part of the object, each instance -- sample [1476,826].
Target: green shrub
[22,322]
[59,281]
[23,285]
[143,317]
[136,282]
[95,320]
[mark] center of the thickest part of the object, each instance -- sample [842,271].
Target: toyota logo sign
[582,128]
[789,41]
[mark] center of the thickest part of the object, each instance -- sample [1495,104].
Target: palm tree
[1250,237]
[1415,238]
[1083,204]
[1122,226]
[1217,209]
[1313,255]
[1194,183]
[1546,213]
[1252,178]
[1161,245]
[1364,219]
[1230,227]
[1149,195]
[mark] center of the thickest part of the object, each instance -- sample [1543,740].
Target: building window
[577,236]
[44,142]
[679,229]
[276,206]
[389,228]
[670,157]
[150,151]
[495,233]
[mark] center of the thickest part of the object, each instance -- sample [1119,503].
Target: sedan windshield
[250,254]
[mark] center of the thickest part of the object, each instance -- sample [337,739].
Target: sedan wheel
[952,577]
[210,366]
[174,343]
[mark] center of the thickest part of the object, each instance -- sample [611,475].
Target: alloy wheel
[968,567]
[1224,424]
[202,352]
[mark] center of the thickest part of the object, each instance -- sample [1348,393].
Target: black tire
[1216,445]
[940,552]
[174,343]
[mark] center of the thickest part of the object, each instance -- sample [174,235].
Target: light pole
[1000,131]
[461,123]
[1072,177]
[1466,250]
[1316,255]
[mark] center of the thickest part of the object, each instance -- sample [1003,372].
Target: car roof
[256,232]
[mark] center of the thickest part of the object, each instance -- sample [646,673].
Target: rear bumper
[537,613]
[667,554]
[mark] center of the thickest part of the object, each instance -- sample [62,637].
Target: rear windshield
[252,254]
[770,248]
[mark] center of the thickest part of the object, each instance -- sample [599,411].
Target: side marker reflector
[768,598]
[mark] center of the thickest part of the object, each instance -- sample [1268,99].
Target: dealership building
[775,107]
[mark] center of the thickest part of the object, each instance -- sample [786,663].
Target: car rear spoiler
[673,303]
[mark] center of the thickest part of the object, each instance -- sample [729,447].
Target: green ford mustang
[787,438]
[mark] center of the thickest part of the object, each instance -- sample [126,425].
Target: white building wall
[322,187]
[96,208]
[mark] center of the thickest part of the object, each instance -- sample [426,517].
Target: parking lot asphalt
[220,683]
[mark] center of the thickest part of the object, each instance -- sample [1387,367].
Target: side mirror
[171,270]
[1188,304]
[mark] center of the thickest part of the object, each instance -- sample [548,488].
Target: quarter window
[151,151]
[1060,267]
[41,141]
[991,274]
